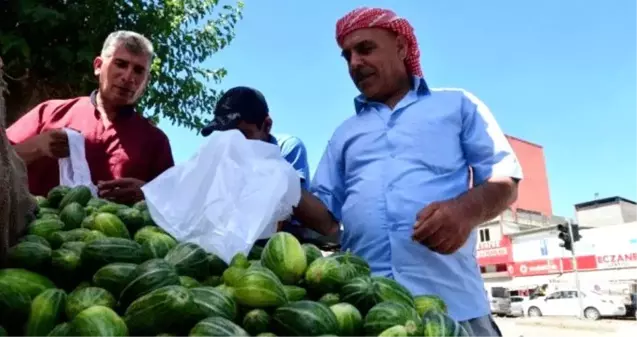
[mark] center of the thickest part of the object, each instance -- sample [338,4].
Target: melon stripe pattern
[217,326]
[440,324]
[259,288]
[214,302]
[148,276]
[47,310]
[284,255]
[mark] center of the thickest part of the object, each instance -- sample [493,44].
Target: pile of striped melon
[89,267]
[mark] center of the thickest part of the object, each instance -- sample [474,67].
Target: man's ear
[402,47]
[267,124]
[97,65]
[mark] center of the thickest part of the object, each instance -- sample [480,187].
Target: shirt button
[393,155]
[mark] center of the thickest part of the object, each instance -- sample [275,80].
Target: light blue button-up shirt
[294,152]
[382,166]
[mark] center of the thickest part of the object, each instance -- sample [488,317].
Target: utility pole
[574,259]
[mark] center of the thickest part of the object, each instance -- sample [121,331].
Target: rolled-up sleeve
[485,146]
[327,184]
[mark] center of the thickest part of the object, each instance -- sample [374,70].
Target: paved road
[565,327]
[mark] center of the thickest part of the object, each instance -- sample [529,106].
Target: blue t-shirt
[293,150]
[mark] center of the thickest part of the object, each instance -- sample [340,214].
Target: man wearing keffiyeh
[397,173]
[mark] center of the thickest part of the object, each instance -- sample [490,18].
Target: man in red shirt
[123,149]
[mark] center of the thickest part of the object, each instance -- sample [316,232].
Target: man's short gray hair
[133,42]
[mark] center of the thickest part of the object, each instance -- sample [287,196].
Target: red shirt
[129,147]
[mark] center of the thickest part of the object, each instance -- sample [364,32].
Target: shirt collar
[419,83]
[127,110]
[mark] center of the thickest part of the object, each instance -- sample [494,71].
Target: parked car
[566,303]
[517,308]
[500,301]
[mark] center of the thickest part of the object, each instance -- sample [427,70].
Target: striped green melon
[364,292]
[146,232]
[148,220]
[312,252]
[111,207]
[189,259]
[216,266]
[158,245]
[232,275]
[140,205]
[34,238]
[47,310]
[66,263]
[61,330]
[110,225]
[72,215]
[148,276]
[81,299]
[385,315]
[259,288]
[350,320]
[15,304]
[132,218]
[79,194]
[41,201]
[56,194]
[240,260]
[426,303]
[284,255]
[353,265]
[29,255]
[304,318]
[98,321]
[101,252]
[75,246]
[226,290]
[94,235]
[189,282]
[158,311]
[409,329]
[28,282]
[266,334]
[114,276]
[213,302]
[60,237]
[436,323]
[330,299]
[96,202]
[294,293]
[45,227]
[325,275]
[44,211]
[256,321]
[217,326]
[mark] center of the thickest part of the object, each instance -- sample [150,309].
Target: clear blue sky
[558,73]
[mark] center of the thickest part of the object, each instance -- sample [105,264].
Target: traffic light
[565,236]
[575,230]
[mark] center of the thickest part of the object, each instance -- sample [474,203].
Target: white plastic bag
[232,192]
[74,170]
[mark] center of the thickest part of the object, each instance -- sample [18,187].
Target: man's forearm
[27,152]
[312,213]
[488,200]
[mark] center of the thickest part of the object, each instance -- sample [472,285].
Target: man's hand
[443,227]
[52,143]
[123,190]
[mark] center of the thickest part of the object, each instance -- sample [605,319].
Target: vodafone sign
[492,253]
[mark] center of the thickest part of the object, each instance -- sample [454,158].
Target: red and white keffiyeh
[366,17]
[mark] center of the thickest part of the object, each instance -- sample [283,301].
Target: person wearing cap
[245,109]
[397,173]
[123,149]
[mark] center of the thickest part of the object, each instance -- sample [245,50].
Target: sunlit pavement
[565,326]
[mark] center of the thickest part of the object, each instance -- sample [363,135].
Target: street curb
[579,325]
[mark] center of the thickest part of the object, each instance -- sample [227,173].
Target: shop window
[484,235]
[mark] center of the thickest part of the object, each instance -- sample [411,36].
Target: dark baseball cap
[237,104]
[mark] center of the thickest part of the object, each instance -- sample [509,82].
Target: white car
[566,303]
[517,305]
